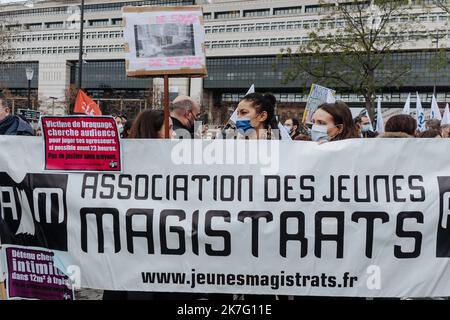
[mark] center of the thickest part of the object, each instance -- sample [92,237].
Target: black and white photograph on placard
[164,40]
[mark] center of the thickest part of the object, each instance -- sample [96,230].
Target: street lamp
[30,73]
[53,104]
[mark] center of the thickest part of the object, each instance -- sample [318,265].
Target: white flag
[420,115]
[251,90]
[446,118]
[234,116]
[407,107]
[283,132]
[380,122]
[435,112]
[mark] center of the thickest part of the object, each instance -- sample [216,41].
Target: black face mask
[203,118]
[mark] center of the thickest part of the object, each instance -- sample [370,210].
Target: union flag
[84,104]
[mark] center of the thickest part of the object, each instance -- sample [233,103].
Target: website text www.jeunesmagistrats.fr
[274,281]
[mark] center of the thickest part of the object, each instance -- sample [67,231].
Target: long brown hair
[147,125]
[341,116]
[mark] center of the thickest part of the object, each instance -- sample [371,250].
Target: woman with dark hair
[400,126]
[127,129]
[149,124]
[256,116]
[333,122]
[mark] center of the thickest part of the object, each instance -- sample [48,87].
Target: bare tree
[155,97]
[70,98]
[6,33]
[352,48]
[443,4]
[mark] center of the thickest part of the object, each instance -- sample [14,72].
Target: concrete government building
[243,39]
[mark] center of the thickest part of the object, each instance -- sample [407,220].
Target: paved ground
[88,294]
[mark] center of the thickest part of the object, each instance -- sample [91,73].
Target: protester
[119,124]
[431,133]
[184,111]
[433,124]
[363,126]
[12,125]
[123,118]
[149,124]
[445,131]
[127,129]
[292,126]
[400,126]
[333,122]
[256,116]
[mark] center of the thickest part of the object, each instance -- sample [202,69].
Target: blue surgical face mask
[120,128]
[244,126]
[288,128]
[365,128]
[319,133]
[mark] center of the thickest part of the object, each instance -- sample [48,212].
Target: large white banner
[366,217]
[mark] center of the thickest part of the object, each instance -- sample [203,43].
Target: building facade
[243,39]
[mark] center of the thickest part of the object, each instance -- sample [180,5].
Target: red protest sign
[81,143]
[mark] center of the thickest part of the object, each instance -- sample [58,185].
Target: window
[319,8]
[34,26]
[116,22]
[54,25]
[256,13]
[92,8]
[96,23]
[287,10]
[228,15]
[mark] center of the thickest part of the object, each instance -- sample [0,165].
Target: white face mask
[319,133]
[120,128]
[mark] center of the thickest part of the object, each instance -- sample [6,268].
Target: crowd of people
[256,119]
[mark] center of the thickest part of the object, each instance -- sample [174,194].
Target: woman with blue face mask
[333,122]
[256,116]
